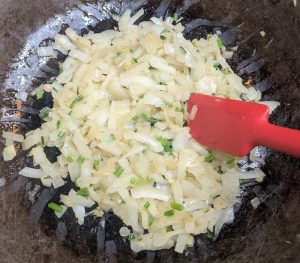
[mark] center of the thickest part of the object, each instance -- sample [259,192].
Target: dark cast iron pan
[271,233]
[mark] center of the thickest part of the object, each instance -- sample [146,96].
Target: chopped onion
[45,51]
[13,136]
[79,212]
[181,242]
[149,192]
[255,202]
[9,153]
[31,172]
[124,231]
[118,115]
[181,139]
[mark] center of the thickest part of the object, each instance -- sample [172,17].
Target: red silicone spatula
[236,127]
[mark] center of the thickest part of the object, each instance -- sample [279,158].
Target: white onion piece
[79,212]
[31,172]
[82,56]
[154,100]
[252,174]
[124,231]
[154,144]
[271,104]
[9,153]
[149,192]
[64,42]
[181,242]
[181,139]
[255,202]
[13,136]
[45,51]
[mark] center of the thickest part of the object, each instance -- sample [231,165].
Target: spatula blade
[226,125]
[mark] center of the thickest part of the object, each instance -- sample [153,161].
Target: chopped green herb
[130,144]
[226,71]
[230,162]
[135,119]
[166,30]
[169,105]
[138,181]
[169,228]
[80,159]
[209,158]
[42,140]
[175,18]
[60,134]
[169,213]
[151,68]
[205,59]
[50,81]
[167,144]
[210,235]
[135,60]
[76,100]
[131,50]
[44,113]
[162,37]
[144,116]
[179,109]
[219,42]
[96,164]
[190,70]
[150,220]
[60,71]
[58,124]
[177,206]
[163,83]
[113,137]
[55,207]
[69,159]
[146,205]
[119,53]
[118,171]
[83,192]
[209,37]
[183,51]
[130,236]
[217,66]
[151,120]
[244,181]
[39,94]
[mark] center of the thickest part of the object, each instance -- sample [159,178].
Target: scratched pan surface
[271,233]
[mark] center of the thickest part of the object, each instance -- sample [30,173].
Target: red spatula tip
[227,125]
[235,127]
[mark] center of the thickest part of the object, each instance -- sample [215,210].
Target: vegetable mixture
[119,120]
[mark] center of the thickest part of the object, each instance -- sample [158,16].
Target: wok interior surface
[271,233]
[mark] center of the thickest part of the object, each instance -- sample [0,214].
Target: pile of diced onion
[119,119]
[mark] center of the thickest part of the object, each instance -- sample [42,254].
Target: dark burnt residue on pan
[271,233]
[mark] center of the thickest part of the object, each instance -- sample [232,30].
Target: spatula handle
[279,138]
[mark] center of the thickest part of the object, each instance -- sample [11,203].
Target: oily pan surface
[267,234]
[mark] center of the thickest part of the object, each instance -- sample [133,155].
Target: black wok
[270,233]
